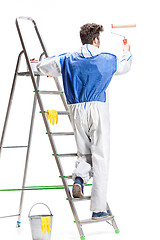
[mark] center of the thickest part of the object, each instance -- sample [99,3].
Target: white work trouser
[92,132]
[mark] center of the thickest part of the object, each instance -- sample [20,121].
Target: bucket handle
[37,204]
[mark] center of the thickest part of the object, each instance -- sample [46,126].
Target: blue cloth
[86,79]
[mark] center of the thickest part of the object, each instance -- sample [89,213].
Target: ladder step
[67,155]
[88,221]
[63,112]
[60,112]
[61,133]
[51,92]
[81,199]
[68,177]
[14,147]
[27,74]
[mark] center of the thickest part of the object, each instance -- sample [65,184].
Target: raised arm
[50,67]
[124,63]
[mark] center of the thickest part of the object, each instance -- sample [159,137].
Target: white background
[133,192]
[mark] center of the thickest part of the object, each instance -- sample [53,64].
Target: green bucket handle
[42,204]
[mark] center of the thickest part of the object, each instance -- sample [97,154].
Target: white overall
[91,127]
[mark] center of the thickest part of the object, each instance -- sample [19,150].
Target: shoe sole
[77,192]
[96,218]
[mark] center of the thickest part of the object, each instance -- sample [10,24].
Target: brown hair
[89,32]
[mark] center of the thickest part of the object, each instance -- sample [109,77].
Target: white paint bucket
[36,222]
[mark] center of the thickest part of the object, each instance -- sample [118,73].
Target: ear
[95,41]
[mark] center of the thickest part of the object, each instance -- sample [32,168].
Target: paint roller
[122,26]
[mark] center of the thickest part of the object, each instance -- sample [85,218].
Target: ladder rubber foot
[83,238]
[117,231]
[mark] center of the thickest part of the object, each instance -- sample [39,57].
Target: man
[86,75]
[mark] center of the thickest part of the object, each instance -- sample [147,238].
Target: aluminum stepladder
[110,219]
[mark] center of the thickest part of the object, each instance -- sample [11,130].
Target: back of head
[89,32]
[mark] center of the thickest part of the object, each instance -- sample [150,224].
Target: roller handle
[123,26]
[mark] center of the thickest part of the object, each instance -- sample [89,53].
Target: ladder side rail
[46,54]
[36,29]
[114,224]
[62,96]
[55,78]
[10,101]
[48,131]
[38,96]
[28,149]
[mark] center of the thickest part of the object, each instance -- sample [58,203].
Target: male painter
[86,76]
